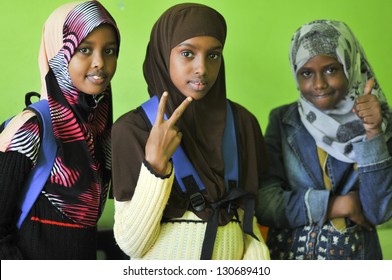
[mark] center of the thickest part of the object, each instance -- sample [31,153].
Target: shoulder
[285,108]
[23,136]
[23,123]
[128,121]
[242,113]
[285,111]
[128,128]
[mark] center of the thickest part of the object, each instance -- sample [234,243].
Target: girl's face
[322,81]
[195,64]
[95,60]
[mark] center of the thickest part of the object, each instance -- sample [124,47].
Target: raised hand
[368,109]
[164,136]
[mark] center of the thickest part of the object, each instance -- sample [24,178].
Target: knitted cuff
[168,171]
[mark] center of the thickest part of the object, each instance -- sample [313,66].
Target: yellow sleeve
[137,222]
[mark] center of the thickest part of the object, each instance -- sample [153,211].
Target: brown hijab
[203,122]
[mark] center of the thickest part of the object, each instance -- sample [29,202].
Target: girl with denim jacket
[330,177]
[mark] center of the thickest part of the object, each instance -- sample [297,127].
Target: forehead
[320,61]
[104,33]
[207,42]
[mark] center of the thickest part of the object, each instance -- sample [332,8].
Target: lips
[321,95]
[198,85]
[97,79]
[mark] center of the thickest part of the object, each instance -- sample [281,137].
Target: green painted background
[256,51]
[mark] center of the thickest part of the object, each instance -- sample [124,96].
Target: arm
[375,175]
[288,197]
[14,167]
[348,206]
[137,222]
[374,157]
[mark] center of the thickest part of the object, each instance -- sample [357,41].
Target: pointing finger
[161,108]
[180,110]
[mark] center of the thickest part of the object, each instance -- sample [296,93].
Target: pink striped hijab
[81,123]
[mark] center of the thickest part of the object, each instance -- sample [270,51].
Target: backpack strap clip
[195,196]
[198,202]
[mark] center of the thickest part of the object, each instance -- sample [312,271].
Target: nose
[98,61]
[320,82]
[200,66]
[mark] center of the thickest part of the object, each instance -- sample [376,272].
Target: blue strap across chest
[184,168]
[191,184]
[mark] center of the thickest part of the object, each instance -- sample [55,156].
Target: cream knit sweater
[141,235]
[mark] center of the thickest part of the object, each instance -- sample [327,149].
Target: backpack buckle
[198,202]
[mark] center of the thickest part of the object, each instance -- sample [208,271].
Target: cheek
[215,71]
[341,84]
[175,73]
[345,85]
[303,86]
[111,70]
[74,70]
[72,75]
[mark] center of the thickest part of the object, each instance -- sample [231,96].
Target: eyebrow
[92,43]
[217,47]
[337,63]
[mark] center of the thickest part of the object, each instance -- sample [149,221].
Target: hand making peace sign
[164,136]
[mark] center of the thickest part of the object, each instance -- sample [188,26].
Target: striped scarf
[82,123]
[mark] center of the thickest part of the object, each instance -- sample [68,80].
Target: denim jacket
[293,200]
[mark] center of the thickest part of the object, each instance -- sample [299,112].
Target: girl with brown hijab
[184,67]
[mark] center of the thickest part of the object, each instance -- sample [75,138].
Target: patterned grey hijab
[335,130]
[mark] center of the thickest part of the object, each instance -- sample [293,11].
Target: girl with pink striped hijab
[78,58]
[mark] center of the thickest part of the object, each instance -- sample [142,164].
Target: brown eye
[330,70]
[188,54]
[83,50]
[305,74]
[110,51]
[215,56]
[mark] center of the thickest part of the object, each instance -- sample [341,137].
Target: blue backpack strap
[7,121]
[190,182]
[230,150]
[46,156]
[185,173]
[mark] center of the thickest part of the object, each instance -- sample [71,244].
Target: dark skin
[164,136]
[368,109]
[194,68]
[322,81]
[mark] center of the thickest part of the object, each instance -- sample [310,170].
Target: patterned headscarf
[335,39]
[81,123]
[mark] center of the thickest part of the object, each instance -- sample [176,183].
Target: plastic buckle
[198,202]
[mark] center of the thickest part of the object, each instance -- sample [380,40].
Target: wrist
[168,169]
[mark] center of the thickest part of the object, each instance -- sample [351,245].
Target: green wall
[256,52]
